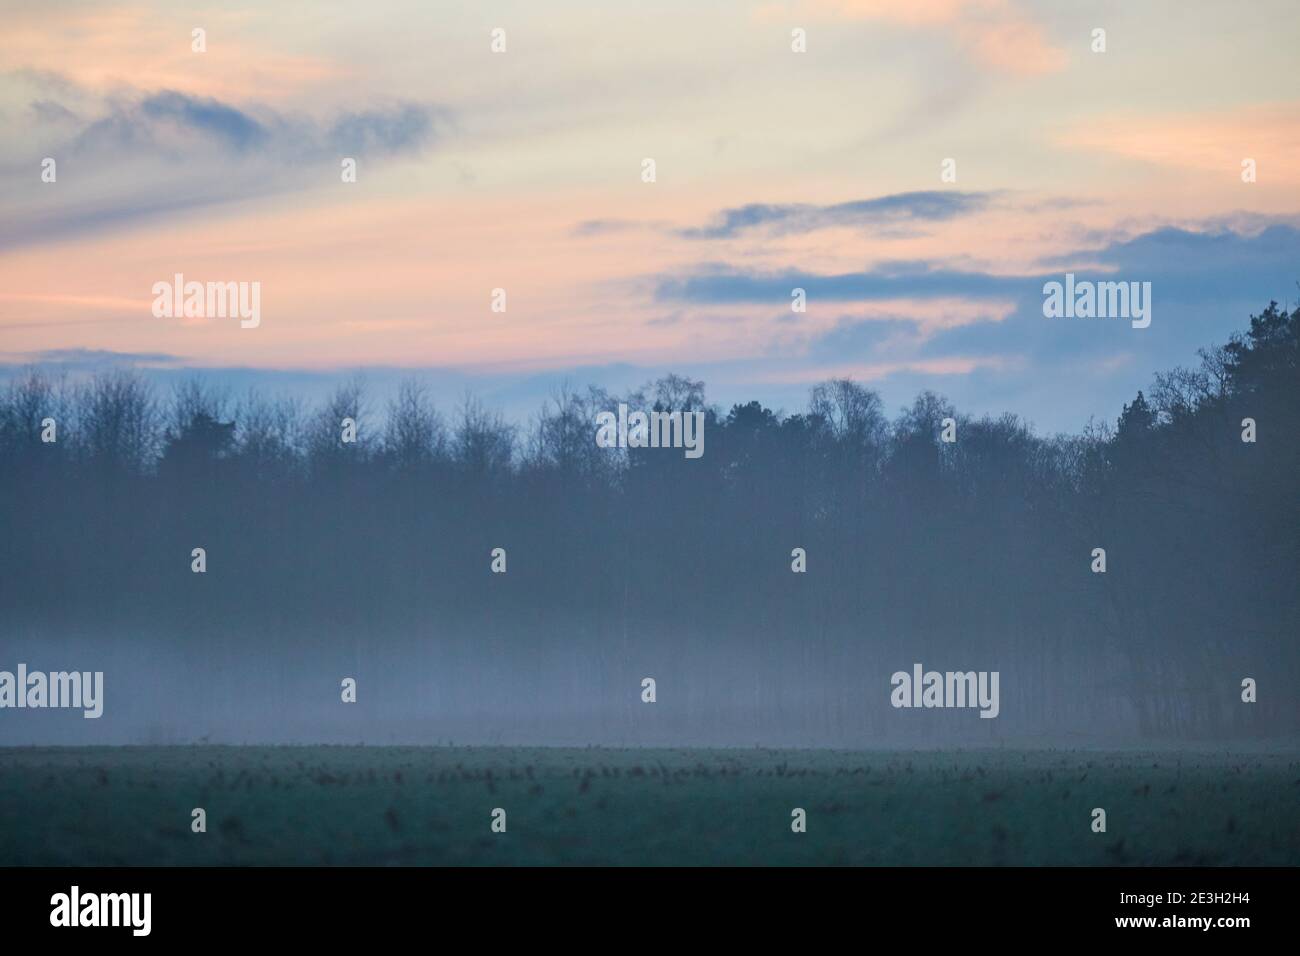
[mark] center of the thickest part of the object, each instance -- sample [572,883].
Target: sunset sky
[775,170]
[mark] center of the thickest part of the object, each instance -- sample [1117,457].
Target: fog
[771,588]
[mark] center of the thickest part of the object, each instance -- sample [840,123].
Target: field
[421,806]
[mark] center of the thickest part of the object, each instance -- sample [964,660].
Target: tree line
[973,554]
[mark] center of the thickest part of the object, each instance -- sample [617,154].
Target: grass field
[421,806]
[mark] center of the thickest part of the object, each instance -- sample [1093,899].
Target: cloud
[1189,265]
[890,280]
[851,337]
[993,33]
[605,227]
[1210,141]
[89,360]
[1203,286]
[187,128]
[1011,44]
[908,325]
[1204,283]
[141,156]
[878,371]
[231,128]
[898,208]
[96,45]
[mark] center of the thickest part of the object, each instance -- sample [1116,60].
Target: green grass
[418,805]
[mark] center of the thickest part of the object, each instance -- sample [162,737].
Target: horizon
[518,400]
[886,192]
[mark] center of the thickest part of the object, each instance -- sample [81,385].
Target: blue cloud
[96,357]
[233,127]
[146,156]
[381,132]
[896,209]
[854,338]
[892,280]
[604,227]
[1204,285]
[164,124]
[1184,266]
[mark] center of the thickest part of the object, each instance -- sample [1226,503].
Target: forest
[371,559]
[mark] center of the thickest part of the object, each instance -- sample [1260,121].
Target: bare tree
[415,435]
[119,426]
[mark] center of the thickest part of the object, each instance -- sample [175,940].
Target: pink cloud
[994,33]
[146,48]
[1209,141]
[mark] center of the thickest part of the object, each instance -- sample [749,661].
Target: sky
[522,170]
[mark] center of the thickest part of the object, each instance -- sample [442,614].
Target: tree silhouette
[625,562]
